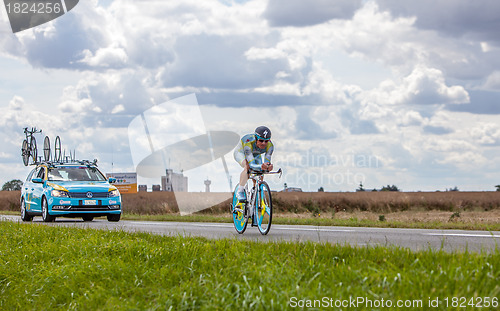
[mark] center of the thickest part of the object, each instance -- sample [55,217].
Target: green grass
[316,221]
[58,268]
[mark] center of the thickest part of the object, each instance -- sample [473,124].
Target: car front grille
[84,195]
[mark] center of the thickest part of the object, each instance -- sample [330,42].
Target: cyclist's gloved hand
[267,166]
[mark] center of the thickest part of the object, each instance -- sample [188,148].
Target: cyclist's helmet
[263,132]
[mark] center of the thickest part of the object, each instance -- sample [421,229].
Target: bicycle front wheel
[264,210]
[25,153]
[238,211]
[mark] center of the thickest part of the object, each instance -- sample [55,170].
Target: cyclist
[249,152]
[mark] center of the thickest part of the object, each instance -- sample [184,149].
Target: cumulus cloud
[428,86]
[423,86]
[279,59]
[16,103]
[487,134]
[105,57]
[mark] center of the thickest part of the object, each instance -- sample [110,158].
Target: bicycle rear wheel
[25,153]
[33,150]
[264,210]
[239,219]
[46,148]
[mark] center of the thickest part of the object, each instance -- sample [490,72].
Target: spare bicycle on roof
[29,150]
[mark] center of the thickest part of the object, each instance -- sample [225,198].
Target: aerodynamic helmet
[263,132]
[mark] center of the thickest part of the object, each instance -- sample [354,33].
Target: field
[328,202]
[60,268]
[457,210]
[313,202]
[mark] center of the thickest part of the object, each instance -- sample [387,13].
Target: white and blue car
[74,189]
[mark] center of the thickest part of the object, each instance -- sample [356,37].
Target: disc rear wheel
[57,149]
[46,148]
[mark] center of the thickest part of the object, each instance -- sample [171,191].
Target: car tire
[25,216]
[114,217]
[88,218]
[46,217]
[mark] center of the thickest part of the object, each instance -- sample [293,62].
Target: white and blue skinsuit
[247,150]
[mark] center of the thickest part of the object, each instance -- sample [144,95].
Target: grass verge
[352,220]
[485,222]
[58,268]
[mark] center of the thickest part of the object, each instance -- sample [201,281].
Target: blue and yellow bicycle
[258,207]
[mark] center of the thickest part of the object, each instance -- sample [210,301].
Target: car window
[30,174]
[75,173]
[39,173]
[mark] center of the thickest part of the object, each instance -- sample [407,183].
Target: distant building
[156,188]
[174,182]
[207,185]
[143,188]
[292,189]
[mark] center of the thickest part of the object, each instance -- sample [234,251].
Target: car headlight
[113,193]
[60,194]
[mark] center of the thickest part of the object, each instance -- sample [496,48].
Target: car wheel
[45,212]
[88,218]
[114,217]
[25,216]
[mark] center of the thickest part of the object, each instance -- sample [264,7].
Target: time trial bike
[28,149]
[258,207]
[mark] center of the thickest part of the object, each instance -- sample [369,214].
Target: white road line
[464,235]
[212,225]
[312,229]
[276,228]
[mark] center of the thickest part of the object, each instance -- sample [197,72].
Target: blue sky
[380,92]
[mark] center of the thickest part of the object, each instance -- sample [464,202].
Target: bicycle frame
[29,133]
[257,206]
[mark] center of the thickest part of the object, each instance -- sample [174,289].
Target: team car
[73,189]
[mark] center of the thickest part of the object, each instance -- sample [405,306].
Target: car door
[27,190]
[37,189]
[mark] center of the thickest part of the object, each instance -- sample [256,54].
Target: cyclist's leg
[244,174]
[240,190]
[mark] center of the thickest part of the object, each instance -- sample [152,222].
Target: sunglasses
[262,141]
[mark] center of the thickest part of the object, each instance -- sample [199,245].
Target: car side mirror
[112,180]
[37,180]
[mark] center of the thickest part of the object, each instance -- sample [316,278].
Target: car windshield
[75,173]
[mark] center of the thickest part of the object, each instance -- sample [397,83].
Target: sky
[378,92]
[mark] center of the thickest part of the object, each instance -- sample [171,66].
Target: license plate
[90,202]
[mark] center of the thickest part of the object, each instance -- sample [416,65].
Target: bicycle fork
[252,205]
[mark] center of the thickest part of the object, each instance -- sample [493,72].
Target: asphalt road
[414,239]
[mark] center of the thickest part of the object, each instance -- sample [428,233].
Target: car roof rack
[74,162]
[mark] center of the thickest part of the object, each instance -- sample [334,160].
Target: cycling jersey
[247,150]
